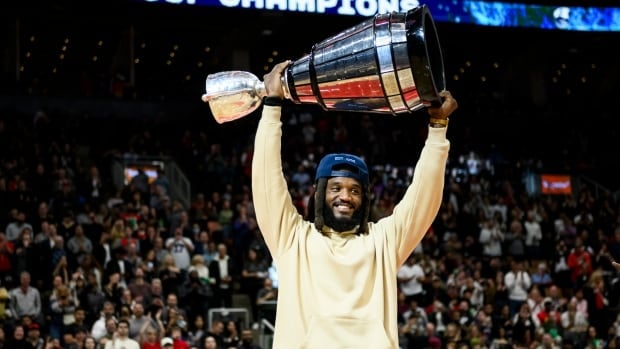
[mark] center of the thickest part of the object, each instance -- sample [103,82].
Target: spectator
[247,341]
[579,262]
[167,343]
[25,256]
[91,343]
[542,277]
[523,326]
[197,331]
[17,340]
[517,282]
[121,338]
[138,321]
[139,287]
[149,339]
[172,305]
[33,336]
[411,278]
[170,275]
[196,295]
[231,335]
[181,249]
[533,235]
[62,306]
[574,325]
[255,270]
[491,238]
[210,342]
[99,329]
[217,332]
[78,246]
[177,336]
[25,300]
[266,299]
[7,251]
[222,269]
[14,228]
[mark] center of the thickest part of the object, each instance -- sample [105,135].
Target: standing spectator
[574,325]
[518,282]
[600,312]
[411,278]
[515,239]
[119,265]
[491,238]
[222,269]
[62,306]
[78,245]
[99,329]
[523,326]
[181,249]
[533,235]
[561,273]
[255,270]
[170,275]
[195,295]
[25,258]
[139,287]
[579,262]
[25,300]
[7,251]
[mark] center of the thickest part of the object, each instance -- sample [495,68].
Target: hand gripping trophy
[389,64]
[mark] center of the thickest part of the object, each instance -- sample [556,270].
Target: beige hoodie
[339,290]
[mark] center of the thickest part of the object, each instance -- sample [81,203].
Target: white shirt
[412,286]
[122,343]
[223,264]
[533,233]
[181,251]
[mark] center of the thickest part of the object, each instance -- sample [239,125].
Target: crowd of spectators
[498,268]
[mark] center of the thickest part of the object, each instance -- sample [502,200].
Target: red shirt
[180,344]
[147,345]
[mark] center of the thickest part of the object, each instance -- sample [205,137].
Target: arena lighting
[477,12]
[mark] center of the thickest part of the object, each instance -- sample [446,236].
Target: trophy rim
[424,47]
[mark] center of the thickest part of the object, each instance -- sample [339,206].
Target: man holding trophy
[337,271]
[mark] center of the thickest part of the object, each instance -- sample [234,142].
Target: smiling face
[343,201]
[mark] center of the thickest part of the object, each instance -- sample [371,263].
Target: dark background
[532,93]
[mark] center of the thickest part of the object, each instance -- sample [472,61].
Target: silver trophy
[389,64]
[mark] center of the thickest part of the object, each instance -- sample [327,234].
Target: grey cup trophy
[389,64]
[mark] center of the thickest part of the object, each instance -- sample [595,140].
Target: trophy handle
[233,94]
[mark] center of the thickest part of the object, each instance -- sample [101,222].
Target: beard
[343,223]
